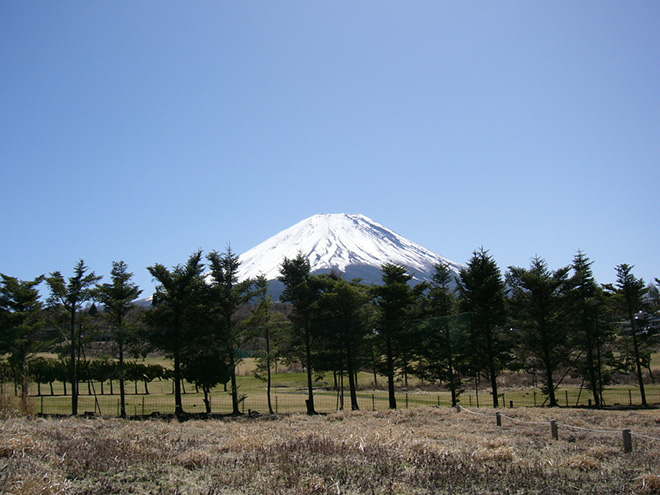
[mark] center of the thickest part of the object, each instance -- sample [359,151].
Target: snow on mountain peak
[339,241]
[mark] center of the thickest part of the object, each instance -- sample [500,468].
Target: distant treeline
[453,330]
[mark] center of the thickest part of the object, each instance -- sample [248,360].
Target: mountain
[353,245]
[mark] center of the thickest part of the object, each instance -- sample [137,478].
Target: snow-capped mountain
[354,245]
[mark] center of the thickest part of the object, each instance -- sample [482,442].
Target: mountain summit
[353,245]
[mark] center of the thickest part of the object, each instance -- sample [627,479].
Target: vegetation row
[457,331]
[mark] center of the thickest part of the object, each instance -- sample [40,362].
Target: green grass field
[289,394]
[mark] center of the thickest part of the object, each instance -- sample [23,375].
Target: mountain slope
[351,244]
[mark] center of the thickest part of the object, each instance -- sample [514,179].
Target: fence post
[511,404]
[553,430]
[627,441]
[630,397]
[276,410]
[566,395]
[373,402]
[498,418]
[406,400]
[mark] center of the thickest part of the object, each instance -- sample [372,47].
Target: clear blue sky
[141,131]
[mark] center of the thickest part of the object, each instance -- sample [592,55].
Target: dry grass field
[416,451]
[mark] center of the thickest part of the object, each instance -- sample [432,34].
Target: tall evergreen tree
[482,293]
[342,307]
[20,318]
[444,339]
[394,300]
[629,292]
[117,299]
[538,305]
[301,292]
[265,323]
[227,297]
[178,311]
[589,333]
[70,297]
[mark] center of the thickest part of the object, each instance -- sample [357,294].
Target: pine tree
[539,309]
[117,299]
[342,309]
[394,300]
[482,293]
[265,324]
[69,297]
[227,297]
[629,292]
[444,340]
[589,332]
[20,318]
[300,291]
[178,311]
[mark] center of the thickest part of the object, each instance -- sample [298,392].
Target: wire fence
[626,433]
[326,401]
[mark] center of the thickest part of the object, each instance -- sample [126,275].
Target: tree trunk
[390,372]
[74,365]
[178,403]
[268,386]
[310,383]
[234,386]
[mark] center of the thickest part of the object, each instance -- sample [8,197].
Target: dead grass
[414,451]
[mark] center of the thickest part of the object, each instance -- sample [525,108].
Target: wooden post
[373,402]
[627,441]
[553,430]
[534,398]
[630,397]
[566,395]
[498,418]
[511,404]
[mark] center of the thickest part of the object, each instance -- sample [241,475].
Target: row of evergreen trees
[449,330]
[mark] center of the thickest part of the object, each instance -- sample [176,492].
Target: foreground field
[423,450]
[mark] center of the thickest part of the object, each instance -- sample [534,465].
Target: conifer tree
[301,292]
[227,297]
[394,300]
[590,333]
[178,311]
[265,323]
[629,292]
[342,309]
[20,318]
[444,339]
[538,305]
[69,297]
[482,293]
[117,299]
